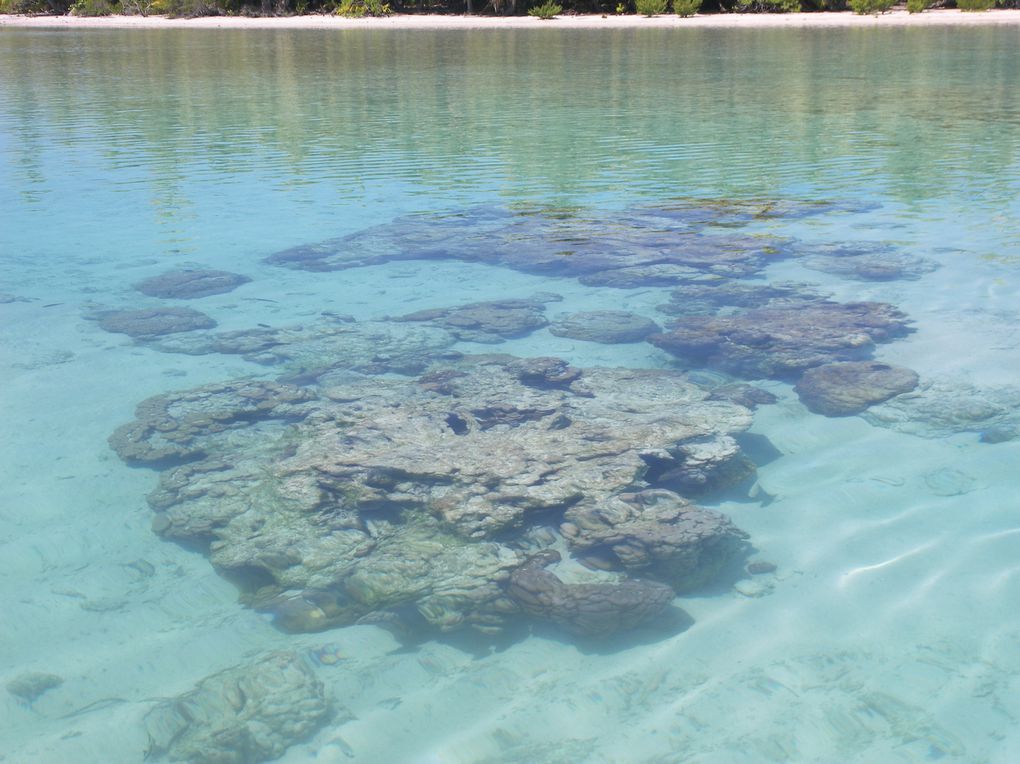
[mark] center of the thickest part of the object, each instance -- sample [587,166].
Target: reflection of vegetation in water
[918,113]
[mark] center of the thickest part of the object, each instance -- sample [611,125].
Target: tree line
[542,8]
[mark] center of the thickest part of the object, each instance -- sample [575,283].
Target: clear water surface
[889,630]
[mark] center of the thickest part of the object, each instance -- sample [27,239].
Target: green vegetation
[34,6]
[864,7]
[651,7]
[356,9]
[542,9]
[184,8]
[93,8]
[762,6]
[546,10]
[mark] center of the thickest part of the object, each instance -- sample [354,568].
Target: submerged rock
[845,389]
[176,427]
[394,494]
[780,342]
[306,352]
[649,275]
[544,372]
[32,685]
[589,610]
[655,533]
[623,250]
[741,393]
[709,298]
[866,262]
[190,284]
[942,407]
[154,322]
[491,321]
[606,326]
[244,715]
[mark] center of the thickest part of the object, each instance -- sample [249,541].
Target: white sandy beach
[423,21]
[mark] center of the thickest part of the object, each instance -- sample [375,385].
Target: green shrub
[651,7]
[136,7]
[34,6]
[916,6]
[864,7]
[185,9]
[546,10]
[686,7]
[765,6]
[356,9]
[975,5]
[92,8]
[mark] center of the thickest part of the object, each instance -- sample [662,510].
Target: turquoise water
[888,630]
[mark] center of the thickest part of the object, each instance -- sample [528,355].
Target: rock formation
[379,495]
[634,248]
[490,321]
[154,322]
[606,326]
[589,610]
[190,284]
[782,341]
[844,389]
[243,715]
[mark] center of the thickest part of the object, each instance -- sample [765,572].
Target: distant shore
[421,21]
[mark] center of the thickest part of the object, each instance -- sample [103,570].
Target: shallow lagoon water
[889,629]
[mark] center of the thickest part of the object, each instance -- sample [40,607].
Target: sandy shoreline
[435,22]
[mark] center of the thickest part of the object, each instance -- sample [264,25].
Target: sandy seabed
[420,21]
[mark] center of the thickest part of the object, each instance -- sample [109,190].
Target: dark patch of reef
[725,316]
[146,323]
[490,321]
[169,428]
[709,299]
[305,352]
[782,341]
[605,326]
[190,284]
[844,389]
[589,610]
[642,247]
[244,714]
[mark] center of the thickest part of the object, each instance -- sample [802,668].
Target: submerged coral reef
[242,715]
[385,493]
[386,478]
[190,284]
[490,321]
[783,341]
[639,247]
[146,323]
